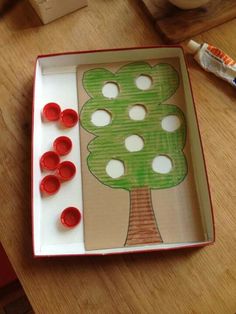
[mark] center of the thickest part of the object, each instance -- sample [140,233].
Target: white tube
[214,60]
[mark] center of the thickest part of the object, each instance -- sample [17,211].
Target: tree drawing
[147,148]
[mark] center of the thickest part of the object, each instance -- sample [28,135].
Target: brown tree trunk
[142,222]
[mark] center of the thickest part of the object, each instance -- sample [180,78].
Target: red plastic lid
[69,118]
[51,111]
[62,145]
[70,217]
[66,170]
[49,160]
[50,184]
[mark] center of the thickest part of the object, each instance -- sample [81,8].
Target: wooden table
[184,281]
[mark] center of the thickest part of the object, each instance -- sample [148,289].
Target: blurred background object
[7,274]
[3,4]
[189,4]
[176,25]
[50,10]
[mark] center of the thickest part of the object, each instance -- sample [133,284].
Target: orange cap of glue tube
[62,145]
[49,161]
[70,217]
[69,118]
[66,170]
[50,185]
[51,111]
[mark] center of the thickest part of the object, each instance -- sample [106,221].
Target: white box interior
[55,80]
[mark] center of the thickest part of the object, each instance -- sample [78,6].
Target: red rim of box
[192,245]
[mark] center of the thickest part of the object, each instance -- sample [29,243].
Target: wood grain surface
[190,22]
[184,281]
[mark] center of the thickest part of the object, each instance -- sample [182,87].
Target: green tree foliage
[109,141]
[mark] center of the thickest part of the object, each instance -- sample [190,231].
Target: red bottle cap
[69,118]
[70,217]
[49,160]
[50,185]
[66,170]
[51,111]
[62,145]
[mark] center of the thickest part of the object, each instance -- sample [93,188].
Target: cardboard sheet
[108,219]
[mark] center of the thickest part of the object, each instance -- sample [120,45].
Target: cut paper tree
[139,140]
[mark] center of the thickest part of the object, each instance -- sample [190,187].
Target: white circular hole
[110,90]
[170,123]
[101,117]
[143,82]
[137,112]
[134,143]
[115,168]
[162,164]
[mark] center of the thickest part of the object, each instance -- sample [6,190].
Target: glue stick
[214,60]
